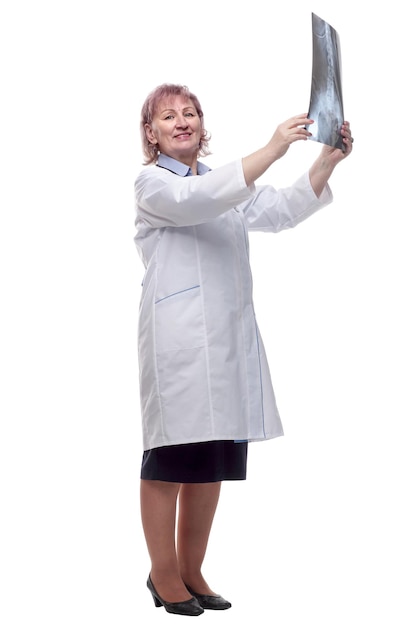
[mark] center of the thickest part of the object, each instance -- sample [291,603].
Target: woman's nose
[182,121]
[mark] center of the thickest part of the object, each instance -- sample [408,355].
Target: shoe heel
[157,602]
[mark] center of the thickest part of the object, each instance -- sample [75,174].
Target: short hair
[167,90]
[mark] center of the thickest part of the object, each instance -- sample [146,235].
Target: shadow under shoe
[188,607]
[216,603]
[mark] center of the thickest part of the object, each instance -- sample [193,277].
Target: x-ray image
[326,103]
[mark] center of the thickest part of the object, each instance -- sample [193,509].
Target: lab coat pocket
[179,321]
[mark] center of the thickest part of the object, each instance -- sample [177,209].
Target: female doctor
[205,385]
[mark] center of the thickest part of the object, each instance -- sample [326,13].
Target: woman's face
[176,128]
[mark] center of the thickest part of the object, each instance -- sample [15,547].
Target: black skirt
[206,462]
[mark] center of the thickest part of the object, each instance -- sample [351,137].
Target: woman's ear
[150,134]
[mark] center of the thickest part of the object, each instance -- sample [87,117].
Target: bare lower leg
[158,507]
[197,506]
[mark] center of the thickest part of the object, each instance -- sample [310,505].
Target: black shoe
[188,607]
[216,602]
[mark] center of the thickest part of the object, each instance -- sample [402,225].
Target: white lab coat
[203,370]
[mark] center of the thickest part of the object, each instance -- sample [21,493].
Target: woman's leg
[197,506]
[158,508]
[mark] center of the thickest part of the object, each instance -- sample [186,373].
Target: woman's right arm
[256,164]
[166,199]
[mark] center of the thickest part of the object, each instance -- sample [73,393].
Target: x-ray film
[326,103]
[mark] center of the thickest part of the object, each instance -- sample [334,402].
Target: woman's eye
[189,114]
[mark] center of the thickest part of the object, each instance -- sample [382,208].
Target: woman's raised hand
[288,132]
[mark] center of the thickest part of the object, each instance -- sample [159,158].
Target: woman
[204,380]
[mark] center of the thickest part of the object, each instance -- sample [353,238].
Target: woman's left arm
[324,165]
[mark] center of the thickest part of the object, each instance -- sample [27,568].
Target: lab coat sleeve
[272,210]
[166,199]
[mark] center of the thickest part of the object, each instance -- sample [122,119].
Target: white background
[323,530]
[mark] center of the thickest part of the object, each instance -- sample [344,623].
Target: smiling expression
[176,128]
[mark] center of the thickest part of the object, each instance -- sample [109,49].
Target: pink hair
[149,109]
